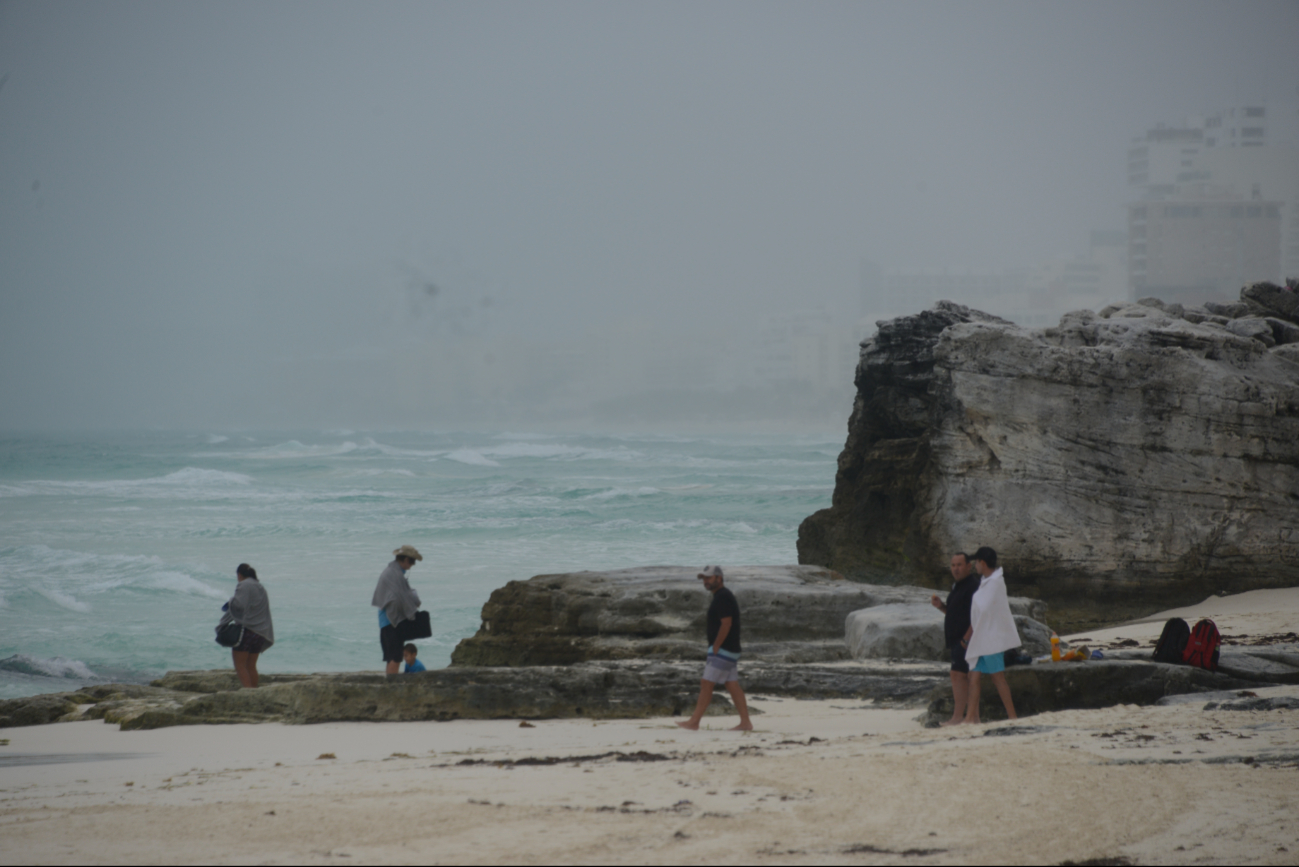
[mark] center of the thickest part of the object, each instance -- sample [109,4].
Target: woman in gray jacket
[251,609]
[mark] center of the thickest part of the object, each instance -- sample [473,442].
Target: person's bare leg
[960,695]
[1003,690]
[252,670]
[737,696]
[705,696]
[241,667]
[393,668]
[972,706]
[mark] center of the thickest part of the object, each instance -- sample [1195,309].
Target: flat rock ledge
[599,690]
[1086,685]
[789,614]
[635,689]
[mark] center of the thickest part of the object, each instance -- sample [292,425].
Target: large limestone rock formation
[788,614]
[1127,461]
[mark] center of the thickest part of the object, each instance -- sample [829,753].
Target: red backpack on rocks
[1202,647]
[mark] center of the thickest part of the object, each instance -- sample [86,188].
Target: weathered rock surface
[788,614]
[914,631]
[1124,462]
[1081,685]
[898,631]
[597,690]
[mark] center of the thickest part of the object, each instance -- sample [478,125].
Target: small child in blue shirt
[409,652]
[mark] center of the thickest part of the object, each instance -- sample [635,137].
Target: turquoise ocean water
[117,551]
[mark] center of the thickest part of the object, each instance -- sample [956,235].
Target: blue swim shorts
[993,663]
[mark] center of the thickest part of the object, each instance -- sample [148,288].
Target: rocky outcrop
[1124,462]
[1081,685]
[788,614]
[599,690]
[615,690]
[910,631]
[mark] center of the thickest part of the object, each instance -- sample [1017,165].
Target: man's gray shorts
[719,669]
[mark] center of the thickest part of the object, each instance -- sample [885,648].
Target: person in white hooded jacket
[992,632]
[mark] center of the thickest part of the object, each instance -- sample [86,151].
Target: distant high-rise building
[1214,205]
[1239,126]
[1163,158]
[1201,246]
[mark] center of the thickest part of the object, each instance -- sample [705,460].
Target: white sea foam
[469,456]
[199,476]
[524,436]
[394,452]
[57,666]
[371,472]
[559,451]
[622,492]
[189,477]
[64,600]
[295,449]
[179,582]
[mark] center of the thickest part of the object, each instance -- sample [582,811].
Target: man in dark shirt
[723,651]
[955,624]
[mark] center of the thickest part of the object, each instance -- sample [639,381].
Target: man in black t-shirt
[723,651]
[955,624]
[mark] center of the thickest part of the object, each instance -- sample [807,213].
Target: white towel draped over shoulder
[994,625]
[394,595]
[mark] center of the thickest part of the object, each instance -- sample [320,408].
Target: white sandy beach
[1252,614]
[818,782]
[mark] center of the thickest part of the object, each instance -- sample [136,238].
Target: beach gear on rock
[1202,648]
[416,627]
[994,625]
[1172,641]
[1055,647]
[1017,657]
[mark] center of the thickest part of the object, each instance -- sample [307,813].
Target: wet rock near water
[1121,463]
[788,614]
[598,690]
[1083,685]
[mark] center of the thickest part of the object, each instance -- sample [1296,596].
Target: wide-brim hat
[409,552]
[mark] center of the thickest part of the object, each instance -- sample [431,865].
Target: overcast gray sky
[189,190]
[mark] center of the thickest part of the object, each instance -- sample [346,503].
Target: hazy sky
[191,190]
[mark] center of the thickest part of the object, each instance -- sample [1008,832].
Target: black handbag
[230,635]
[417,627]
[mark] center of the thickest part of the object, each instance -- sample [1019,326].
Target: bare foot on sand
[742,727]
[951,722]
[687,724]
